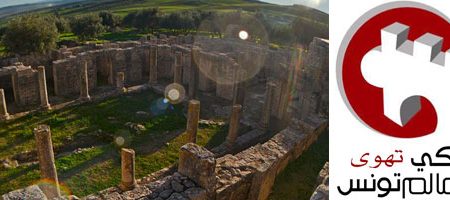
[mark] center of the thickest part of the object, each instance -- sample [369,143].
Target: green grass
[122,8]
[298,180]
[68,37]
[2,51]
[98,168]
[124,35]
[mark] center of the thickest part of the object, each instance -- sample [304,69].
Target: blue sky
[4,3]
[318,4]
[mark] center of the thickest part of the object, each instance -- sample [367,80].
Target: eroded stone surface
[198,164]
[322,191]
[30,193]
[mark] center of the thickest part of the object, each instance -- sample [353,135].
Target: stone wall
[312,82]
[322,190]
[218,61]
[26,86]
[67,75]
[251,173]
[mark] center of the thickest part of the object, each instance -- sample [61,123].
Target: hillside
[122,7]
[22,8]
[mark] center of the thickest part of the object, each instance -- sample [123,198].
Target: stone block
[198,164]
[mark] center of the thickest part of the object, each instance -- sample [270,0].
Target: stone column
[84,83]
[110,70]
[128,170]
[4,115]
[47,161]
[286,93]
[305,106]
[153,76]
[120,79]
[194,75]
[234,125]
[15,85]
[265,117]
[239,96]
[43,88]
[192,120]
[178,73]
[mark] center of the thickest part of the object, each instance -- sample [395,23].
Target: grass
[98,167]
[3,51]
[67,37]
[124,35]
[298,179]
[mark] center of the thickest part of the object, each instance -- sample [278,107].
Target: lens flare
[175,93]
[123,136]
[159,106]
[244,44]
[47,183]
[120,141]
[243,35]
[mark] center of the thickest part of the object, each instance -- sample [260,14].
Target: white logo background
[350,138]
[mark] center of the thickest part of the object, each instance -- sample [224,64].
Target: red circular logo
[366,100]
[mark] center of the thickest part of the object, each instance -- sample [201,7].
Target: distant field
[123,7]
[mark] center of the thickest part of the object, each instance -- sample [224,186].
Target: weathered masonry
[284,101]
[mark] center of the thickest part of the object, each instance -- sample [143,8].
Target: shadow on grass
[298,180]
[18,172]
[109,153]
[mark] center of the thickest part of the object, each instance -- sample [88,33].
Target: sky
[4,3]
[318,4]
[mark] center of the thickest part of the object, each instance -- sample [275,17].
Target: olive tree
[30,34]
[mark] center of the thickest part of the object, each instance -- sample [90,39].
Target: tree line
[41,32]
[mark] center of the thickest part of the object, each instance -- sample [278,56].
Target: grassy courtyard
[298,179]
[97,127]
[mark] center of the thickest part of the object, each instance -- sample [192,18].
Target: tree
[306,29]
[30,34]
[87,26]
[200,16]
[143,20]
[62,24]
[281,34]
[180,21]
[110,20]
[2,31]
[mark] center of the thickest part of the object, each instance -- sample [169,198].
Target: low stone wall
[322,190]
[173,187]
[251,173]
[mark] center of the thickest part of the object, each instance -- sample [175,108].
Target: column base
[84,99]
[127,186]
[229,145]
[262,126]
[122,90]
[5,117]
[46,107]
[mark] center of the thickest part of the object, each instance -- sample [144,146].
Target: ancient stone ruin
[282,95]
